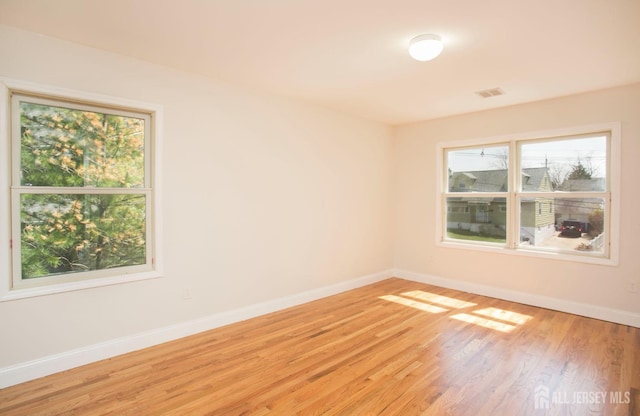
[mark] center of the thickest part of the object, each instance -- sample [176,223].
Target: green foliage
[596,222]
[67,147]
[64,231]
[579,171]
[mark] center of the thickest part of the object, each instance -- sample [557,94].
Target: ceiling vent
[490,93]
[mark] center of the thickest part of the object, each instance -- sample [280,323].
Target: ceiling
[350,55]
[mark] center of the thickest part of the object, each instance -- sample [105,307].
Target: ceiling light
[425,47]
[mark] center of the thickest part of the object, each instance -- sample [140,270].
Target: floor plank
[392,348]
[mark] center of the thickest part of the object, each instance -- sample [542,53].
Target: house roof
[583,185]
[495,180]
[534,179]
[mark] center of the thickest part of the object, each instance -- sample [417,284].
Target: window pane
[477,219]
[76,233]
[565,224]
[572,165]
[73,148]
[482,169]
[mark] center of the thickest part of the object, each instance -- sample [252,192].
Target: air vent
[490,93]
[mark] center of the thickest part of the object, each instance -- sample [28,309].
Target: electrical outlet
[632,286]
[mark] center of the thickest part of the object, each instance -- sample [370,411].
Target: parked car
[572,228]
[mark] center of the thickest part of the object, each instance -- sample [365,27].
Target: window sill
[23,293]
[529,252]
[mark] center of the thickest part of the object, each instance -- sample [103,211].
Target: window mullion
[514,220]
[513,204]
[78,190]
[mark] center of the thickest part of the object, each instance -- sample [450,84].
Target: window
[519,192]
[83,187]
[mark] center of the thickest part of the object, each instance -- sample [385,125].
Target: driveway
[564,243]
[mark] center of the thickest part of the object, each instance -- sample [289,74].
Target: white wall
[264,197]
[567,283]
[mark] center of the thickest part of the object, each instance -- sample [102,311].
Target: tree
[557,175]
[64,230]
[502,159]
[596,222]
[579,171]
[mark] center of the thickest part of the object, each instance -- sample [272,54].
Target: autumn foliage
[82,194]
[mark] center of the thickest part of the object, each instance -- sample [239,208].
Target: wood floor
[392,348]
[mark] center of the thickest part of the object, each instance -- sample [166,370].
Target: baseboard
[22,372]
[576,308]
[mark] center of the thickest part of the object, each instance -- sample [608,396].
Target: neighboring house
[488,215]
[581,211]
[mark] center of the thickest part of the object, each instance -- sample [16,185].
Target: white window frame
[11,285]
[513,195]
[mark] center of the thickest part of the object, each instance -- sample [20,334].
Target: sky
[559,155]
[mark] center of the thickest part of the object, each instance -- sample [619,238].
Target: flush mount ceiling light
[425,47]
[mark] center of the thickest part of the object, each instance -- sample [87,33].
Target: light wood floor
[391,348]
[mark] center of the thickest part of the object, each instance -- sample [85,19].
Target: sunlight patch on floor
[414,304]
[503,315]
[493,318]
[484,322]
[439,299]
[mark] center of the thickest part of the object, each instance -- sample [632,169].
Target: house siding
[488,216]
